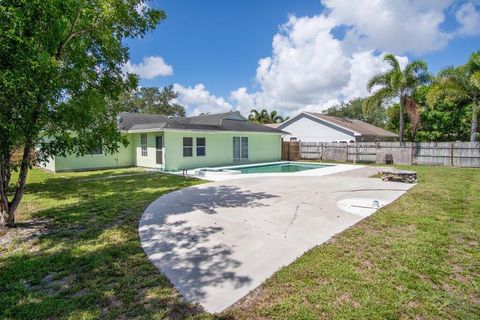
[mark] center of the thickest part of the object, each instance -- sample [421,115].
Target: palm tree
[461,84]
[275,118]
[254,116]
[397,83]
[264,117]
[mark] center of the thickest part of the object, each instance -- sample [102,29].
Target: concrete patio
[218,241]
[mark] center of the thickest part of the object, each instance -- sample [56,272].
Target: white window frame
[243,153]
[204,147]
[144,144]
[190,147]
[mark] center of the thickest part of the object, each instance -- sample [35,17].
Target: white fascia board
[142,130]
[289,120]
[196,130]
[220,131]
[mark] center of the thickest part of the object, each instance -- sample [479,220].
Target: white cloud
[312,65]
[199,100]
[149,68]
[399,26]
[469,19]
[309,69]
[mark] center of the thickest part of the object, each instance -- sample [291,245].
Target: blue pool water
[280,167]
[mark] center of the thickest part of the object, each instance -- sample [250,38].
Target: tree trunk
[473,132]
[8,209]
[402,125]
[7,219]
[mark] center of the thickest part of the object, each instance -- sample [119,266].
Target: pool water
[280,167]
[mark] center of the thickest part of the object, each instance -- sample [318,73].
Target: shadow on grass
[89,262]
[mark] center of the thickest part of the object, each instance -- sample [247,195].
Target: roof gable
[357,127]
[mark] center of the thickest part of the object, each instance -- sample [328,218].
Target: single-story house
[176,143]
[316,127]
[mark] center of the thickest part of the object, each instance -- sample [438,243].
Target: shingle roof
[358,126]
[230,121]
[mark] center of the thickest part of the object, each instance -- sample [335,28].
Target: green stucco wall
[124,158]
[262,147]
[219,149]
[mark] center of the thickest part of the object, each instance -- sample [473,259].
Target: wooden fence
[458,154]
[291,151]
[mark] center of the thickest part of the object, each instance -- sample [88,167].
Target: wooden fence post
[321,151]
[347,153]
[451,153]
[411,153]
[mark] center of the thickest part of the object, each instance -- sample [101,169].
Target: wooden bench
[402,175]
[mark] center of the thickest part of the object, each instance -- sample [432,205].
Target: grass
[87,263]
[418,258]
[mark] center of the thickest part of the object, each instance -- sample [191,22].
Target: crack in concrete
[295,215]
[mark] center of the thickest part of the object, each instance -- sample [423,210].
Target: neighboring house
[316,127]
[176,143]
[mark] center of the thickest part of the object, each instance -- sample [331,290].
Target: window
[96,150]
[187,147]
[143,143]
[201,144]
[293,139]
[240,148]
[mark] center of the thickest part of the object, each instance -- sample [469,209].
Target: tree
[265,117]
[152,100]
[397,83]
[60,75]
[354,109]
[460,85]
[444,121]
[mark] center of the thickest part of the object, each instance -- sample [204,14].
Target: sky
[294,55]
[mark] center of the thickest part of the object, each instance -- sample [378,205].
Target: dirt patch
[25,233]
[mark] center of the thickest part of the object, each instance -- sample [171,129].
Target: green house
[176,143]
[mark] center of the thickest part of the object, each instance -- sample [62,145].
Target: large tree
[462,86]
[443,121]
[152,100]
[60,74]
[397,83]
[354,109]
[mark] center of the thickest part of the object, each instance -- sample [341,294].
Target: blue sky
[317,53]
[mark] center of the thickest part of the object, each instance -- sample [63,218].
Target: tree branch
[71,35]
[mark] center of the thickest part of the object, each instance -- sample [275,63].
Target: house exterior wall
[262,147]
[124,158]
[150,161]
[50,165]
[307,129]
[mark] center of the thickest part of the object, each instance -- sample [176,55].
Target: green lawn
[417,258]
[89,262]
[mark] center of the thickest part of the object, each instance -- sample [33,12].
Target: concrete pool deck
[218,241]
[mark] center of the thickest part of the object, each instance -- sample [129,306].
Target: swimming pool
[283,167]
